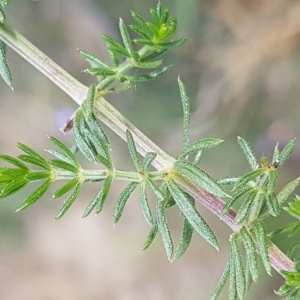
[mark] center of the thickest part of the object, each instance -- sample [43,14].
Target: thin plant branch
[119,124]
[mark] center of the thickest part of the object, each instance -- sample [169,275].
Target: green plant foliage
[256,190]
[292,286]
[161,220]
[155,40]
[191,214]
[145,205]
[262,240]
[294,208]
[252,256]
[121,201]
[4,68]
[199,177]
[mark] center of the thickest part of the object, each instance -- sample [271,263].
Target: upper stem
[119,124]
[76,90]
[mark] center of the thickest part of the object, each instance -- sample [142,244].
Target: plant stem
[119,124]
[76,90]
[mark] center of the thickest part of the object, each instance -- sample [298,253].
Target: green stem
[119,124]
[125,66]
[92,175]
[76,90]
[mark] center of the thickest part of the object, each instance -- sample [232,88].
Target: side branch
[119,124]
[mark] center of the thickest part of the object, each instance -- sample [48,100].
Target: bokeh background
[241,67]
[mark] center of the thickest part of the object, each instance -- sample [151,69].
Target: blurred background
[241,67]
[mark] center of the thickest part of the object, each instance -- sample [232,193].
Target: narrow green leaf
[119,51]
[105,190]
[143,41]
[154,32]
[291,228]
[239,269]
[99,146]
[13,187]
[174,44]
[272,181]
[199,177]
[36,176]
[248,153]
[83,146]
[293,209]
[106,162]
[245,208]
[14,173]
[97,129]
[287,191]
[36,195]
[292,249]
[171,28]
[249,177]
[30,152]
[114,43]
[31,160]
[70,200]
[272,204]
[159,10]
[152,56]
[63,165]
[88,104]
[164,15]
[139,19]
[154,17]
[148,159]
[66,188]
[232,279]
[99,198]
[100,71]
[2,17]
[202,144]
[92,58]
[34,155]
[284,290]
[125,37]
[60,155]
[162,223]
[186,117]
[252,256]
[276,154]
[132,150]
[149,65]
[4,68]
[145,205]
[286,152]
[221,283]
[13,161]
[197,158]
[151,237]
[114,58]
[185,240]
[149,76]
[65,151]
[191,214]
[122,200]
[228,181]
[140,31]
[263,243]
